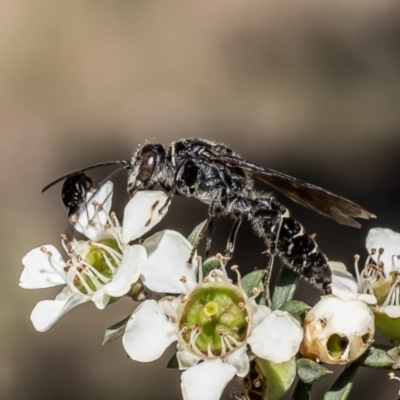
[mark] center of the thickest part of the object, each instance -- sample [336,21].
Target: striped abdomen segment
[286,237]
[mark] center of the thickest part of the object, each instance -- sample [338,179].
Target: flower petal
[341,278]
[91,221]
[347,296]
[170,306]
[239,359]
[389,241]
[186,359]
[206,381]
[42,271]
[47,312]
[128,271]
[277,338]
[168,252]
[142,213]
[345,286]
[390,311]
[148,333]
[258,312]
[100,298]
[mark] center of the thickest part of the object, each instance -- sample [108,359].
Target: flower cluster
[213,323]
[106,266]
[221,328]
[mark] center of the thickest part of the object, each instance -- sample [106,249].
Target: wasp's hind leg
[276,224]
[268,223]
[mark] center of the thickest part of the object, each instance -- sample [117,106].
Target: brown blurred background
[309,88]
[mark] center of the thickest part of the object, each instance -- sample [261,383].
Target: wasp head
[147,168]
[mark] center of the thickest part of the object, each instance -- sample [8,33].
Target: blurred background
[309,88]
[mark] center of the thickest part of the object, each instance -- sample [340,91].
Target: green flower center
[215,319]
[337,345]
[98,266]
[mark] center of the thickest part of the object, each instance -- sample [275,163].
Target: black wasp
[219,177]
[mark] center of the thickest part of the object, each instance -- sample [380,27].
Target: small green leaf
[173,362]
[195,237]
[309,371]
[115,331]
[210,264]
[285,288]
[378,358]
[302,391]
[394,353]
[340,390]
[253,280]
[279,377]
[296,309]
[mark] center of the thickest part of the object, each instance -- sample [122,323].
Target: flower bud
[337,331]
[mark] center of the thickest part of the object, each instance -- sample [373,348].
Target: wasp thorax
[214,320]
[95,268]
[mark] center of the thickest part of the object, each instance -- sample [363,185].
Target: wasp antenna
[111,176]
[125,164]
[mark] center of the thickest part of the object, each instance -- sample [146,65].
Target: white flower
[106,265]
[383,245]
[337,331]
[340,327]
[213,324]
[381,276]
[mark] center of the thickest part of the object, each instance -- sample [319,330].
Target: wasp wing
[320,200]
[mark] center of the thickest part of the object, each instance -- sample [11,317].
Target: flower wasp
[215,175]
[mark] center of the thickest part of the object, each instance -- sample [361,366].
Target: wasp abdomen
[286,237]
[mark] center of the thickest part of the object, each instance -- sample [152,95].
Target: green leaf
[115,331]
[279,377]
[296,309]
[340,390]
[253,280]
[394,353]
[173,362]
[285,288]
[378,358]
[210,264]
[195,237]
[309,371]
[302,391]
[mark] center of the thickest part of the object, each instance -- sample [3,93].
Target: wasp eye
[147,166]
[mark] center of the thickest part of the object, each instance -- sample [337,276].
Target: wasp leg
[209,232]
[271,251]
[168,200]
[207,227]
[267,279]
[269,222]
[230,246]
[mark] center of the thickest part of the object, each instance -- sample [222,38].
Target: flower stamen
[393,295]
